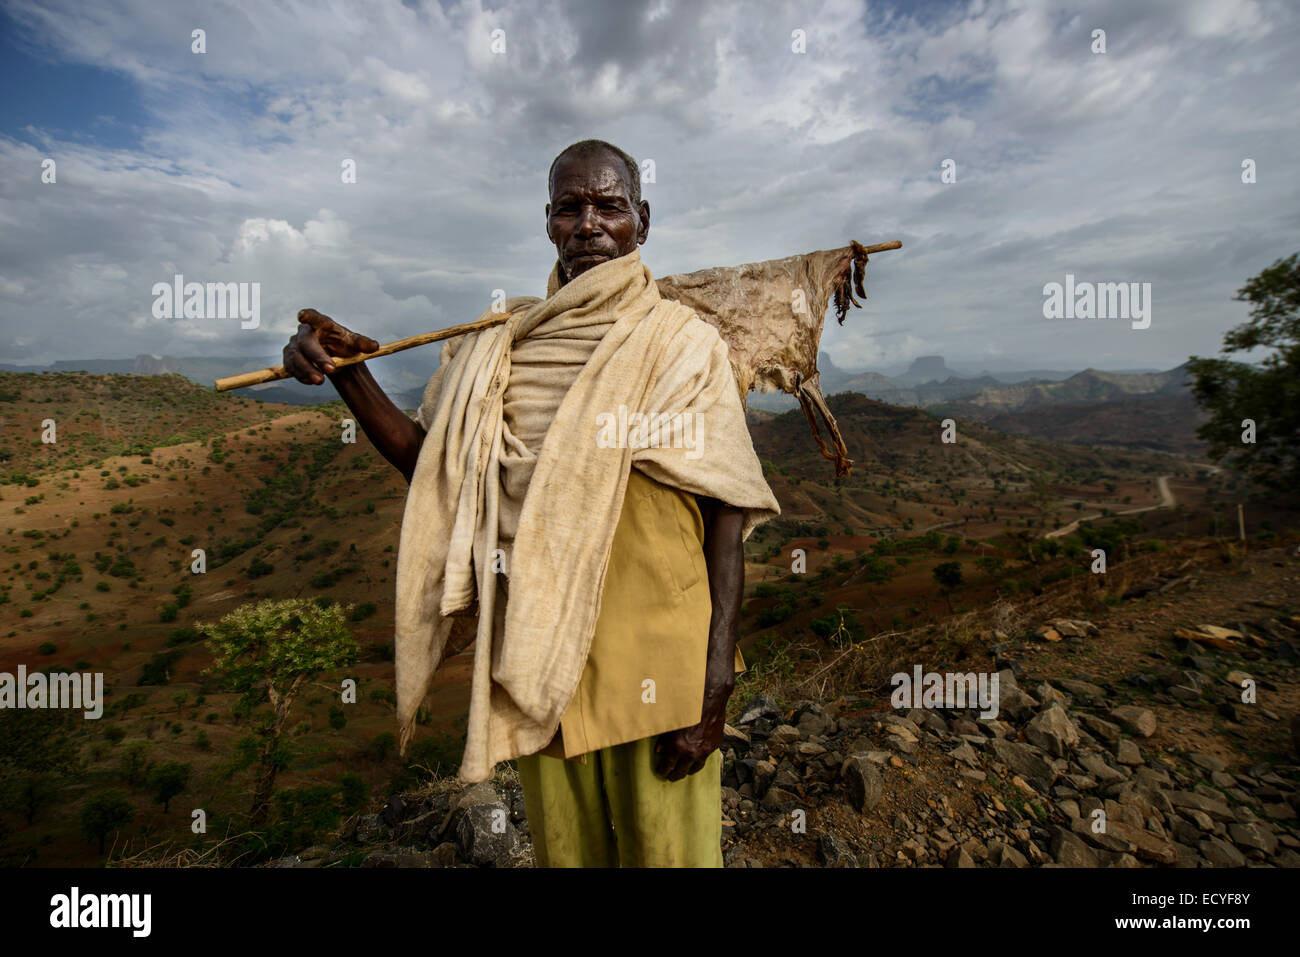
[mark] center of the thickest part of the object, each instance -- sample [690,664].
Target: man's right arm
[307,358]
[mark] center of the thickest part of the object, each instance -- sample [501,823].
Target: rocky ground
[1131,739]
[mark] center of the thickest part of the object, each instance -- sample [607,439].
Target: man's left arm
[685,751]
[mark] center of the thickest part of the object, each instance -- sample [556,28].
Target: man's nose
[588,222]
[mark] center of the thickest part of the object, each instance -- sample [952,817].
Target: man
[601,574]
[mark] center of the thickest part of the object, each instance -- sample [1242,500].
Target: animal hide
[770,315]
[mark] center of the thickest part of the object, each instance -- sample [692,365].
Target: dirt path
[1167,500]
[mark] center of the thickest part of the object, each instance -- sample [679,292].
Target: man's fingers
[313,318]
[362,344]
[312,350]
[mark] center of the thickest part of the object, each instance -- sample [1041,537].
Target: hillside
[100,573]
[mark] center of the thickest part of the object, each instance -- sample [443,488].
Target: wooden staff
[277,372]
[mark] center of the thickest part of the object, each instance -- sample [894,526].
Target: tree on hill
[168,780]
[267,652]
[1267,393]
[105,812]
[948,575]
[38,749]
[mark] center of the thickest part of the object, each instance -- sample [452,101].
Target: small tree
[1267,393]
[136,762]
[267,652]
[948,575]
[37,750]
[168,780]
[105,812]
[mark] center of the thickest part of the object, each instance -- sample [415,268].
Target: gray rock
[1053,731]
[1126,752]
[1207,761]
[485,835]
[1257,836]
[779,799]
[392,811]
[1190,799]
[834,852]
[958,857]
[1096,765]
[1082,689]
[370,829]
[1135,720]
[760,706]
[1069,851]
[1220,853]
[444,855]
[1103,729]
[863,782]
[1025,761]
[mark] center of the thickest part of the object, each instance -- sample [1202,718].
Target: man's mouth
[590,258]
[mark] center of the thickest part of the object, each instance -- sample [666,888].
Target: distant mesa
[928,369]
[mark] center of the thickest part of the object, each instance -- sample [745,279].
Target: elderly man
[582,481]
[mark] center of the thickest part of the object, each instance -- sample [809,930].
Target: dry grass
[865,666]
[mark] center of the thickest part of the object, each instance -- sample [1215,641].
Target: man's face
[590,217]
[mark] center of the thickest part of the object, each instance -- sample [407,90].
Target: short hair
[584,148]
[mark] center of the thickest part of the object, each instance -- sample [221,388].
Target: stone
[485,835]
[863,782]
[1135,719]
[1258,836]
[1025,761]
[1082,689]
[966,754]
[444,855]
[1096,765]
[480,793]
[392,811]
[760,706]
[1207,761]
[1015,703]
[1220,853]
[959,857]
[779,799]
[1053,731]
[1069,850]
[1105,730]
[1200,802]
[834,852]
[783,734]
[734,737]
[1126,752]
[1147,845]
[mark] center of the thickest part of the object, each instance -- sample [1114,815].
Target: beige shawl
[482,499]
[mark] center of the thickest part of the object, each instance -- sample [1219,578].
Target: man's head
[596,212]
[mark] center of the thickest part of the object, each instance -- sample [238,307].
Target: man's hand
[307,358]
[682,752]
[318,339]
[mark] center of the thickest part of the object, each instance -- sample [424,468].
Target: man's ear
[644,232]
[548,223]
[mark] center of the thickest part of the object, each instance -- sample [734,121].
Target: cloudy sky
[1115,166]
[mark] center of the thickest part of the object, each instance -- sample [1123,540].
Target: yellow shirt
[645,671]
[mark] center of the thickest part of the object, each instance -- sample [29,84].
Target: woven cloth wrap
[485,497]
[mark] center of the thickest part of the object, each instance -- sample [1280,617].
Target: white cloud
[1117,166]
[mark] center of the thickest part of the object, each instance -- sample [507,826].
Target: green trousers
[615,811]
